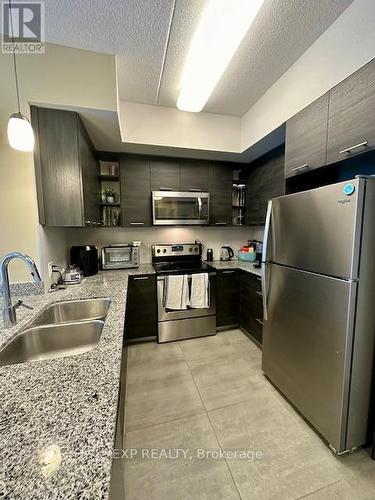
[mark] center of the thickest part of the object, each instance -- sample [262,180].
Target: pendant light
[20,132]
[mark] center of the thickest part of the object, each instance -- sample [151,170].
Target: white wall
[57,241]
[61,76]
[343,48]
[162,126]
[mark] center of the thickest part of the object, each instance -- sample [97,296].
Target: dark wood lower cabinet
[239,302]
[141,319]
[227,298]
[251,306]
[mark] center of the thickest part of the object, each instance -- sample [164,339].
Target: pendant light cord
[14,56]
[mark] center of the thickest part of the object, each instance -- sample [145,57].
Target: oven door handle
[165,284]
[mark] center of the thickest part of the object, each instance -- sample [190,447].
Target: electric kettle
[226,253]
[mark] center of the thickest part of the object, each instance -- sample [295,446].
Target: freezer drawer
[307,341]
[318,230]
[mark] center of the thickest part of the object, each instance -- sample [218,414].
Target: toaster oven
[122,256]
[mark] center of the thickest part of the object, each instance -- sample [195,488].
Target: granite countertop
[236,264]
[58,416]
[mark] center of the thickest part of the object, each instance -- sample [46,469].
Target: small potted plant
[110,195]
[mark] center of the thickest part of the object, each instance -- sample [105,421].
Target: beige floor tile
[160,395]
[182,478]
[208,348]
[247,413]
[236,336]
[148,370]
[356,463]
[245,348]
[358,486]
[293,462]
[152,351]
[223,382]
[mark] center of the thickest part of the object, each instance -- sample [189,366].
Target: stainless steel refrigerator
[319,306]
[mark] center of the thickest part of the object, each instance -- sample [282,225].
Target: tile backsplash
[56,242]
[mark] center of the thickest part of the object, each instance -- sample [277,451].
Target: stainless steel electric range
[183,259]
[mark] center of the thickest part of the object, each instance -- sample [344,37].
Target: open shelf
[113,178]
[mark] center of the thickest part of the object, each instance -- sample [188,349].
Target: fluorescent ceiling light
[220,31]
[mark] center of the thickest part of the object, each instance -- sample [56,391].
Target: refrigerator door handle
[267,229]
[264,292]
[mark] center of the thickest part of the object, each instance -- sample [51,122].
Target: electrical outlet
[50,266]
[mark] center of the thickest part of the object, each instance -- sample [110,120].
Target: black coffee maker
[86,258]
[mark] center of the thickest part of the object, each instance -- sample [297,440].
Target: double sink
[62,329]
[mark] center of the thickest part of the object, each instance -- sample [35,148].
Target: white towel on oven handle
[176,292]
[200,291]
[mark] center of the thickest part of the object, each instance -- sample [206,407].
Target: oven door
[179,208]
[168,315]
[117,257]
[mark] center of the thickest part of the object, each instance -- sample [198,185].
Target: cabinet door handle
[259,293]
[259,321]
[221,223]
[301,167]
[137,223]
[195,190]
[229,272]
[356,146]
[141,278]
[165,189]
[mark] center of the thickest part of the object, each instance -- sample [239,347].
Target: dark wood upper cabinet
[194,175]
[265,181]
[220,183]
[90,177]
[135,191]
[306,138]
[351,124]
[66,169]
[165,174]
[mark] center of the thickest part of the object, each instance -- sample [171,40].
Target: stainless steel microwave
[180,208]
[122,256]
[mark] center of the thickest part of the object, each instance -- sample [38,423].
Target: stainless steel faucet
[9,311]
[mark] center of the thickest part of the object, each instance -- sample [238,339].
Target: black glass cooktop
[179,267]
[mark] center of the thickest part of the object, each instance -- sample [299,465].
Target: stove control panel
[168,250]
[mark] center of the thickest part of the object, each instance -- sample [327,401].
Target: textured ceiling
[137,31]
[134,30]
[281,33]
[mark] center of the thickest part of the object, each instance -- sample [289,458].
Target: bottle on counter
[210,255]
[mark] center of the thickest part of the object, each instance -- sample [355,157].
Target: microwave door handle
[199,208]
